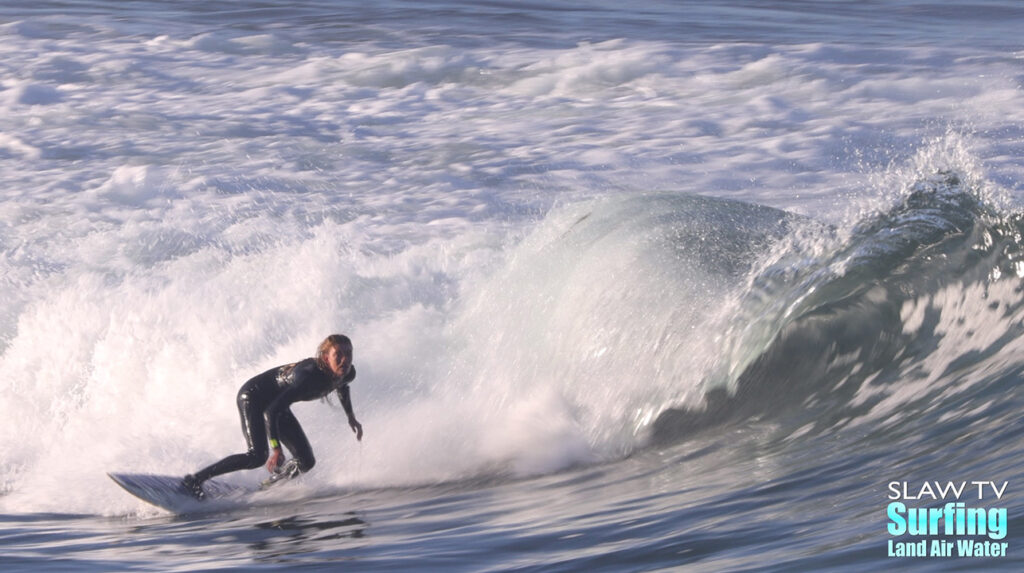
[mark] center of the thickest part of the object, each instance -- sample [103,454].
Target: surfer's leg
[255,431]
[295,440]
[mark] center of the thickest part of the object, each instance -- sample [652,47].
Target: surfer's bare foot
[289,469]
[193,486]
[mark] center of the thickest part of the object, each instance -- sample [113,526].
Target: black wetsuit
[264,405]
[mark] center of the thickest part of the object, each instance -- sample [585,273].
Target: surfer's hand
[274,461]
[357,428]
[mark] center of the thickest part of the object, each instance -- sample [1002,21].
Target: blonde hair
[339,341]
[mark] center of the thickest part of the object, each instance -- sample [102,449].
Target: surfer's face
[338,361]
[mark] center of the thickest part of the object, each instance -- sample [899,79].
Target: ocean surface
[706,286]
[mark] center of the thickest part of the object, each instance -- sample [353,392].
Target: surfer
[264,405]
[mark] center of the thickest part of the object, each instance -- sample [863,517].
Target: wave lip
[826,326]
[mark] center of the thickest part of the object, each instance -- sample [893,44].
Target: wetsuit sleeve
[346,401]
[345,396]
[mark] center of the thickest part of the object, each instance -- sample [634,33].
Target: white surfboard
[167,492]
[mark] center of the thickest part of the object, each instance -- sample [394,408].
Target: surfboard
[168,493]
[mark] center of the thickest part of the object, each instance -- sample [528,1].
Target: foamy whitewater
[632,287]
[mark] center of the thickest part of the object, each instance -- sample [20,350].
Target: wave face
[915,307]
[611,305]
[655,317]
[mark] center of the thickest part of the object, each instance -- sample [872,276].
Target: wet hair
[339,341]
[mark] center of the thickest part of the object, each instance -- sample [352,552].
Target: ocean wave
[834,337]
